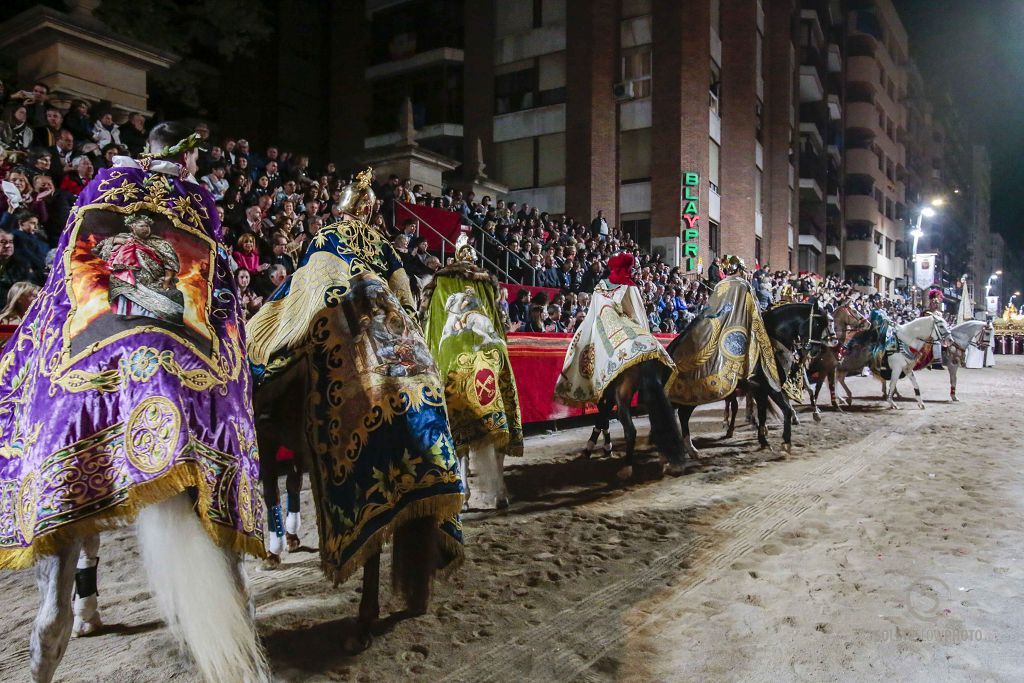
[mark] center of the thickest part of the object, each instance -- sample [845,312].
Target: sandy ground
[887,547]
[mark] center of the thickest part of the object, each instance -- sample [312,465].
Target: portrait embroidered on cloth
[135,342]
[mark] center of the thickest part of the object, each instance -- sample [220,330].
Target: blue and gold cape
[381,448]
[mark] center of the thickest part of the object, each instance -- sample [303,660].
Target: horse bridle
[829,329]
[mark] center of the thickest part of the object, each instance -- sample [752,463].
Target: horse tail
[199,592]
[665,430]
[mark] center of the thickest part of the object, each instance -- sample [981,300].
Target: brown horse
[280,409]
[647,380]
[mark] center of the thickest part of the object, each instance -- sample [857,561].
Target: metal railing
[447,245]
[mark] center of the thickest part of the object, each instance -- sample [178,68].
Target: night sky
[976,47]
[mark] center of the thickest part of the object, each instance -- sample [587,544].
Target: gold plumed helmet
[732,264]
[358,198]
[464,250]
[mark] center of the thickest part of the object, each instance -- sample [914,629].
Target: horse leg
[728,408]
[369,607]
[748,398]
[896,368]
[684,424]
[55,578]
[601,425]
[952,366]
[464,467]
[762,418]
[489,475]
[629,430]
[814,397]
[416,554]
[832,391]
[917,389]
[87,610]
[788,415]
[732,406]
[293,522]
[275,517]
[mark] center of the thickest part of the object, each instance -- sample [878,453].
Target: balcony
[835,59]
[862,118]
[862,253]
[810,190]
[862,162]
[863,70]
[861,208]
[835,108]
[811,88]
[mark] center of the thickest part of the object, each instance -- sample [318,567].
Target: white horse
[913,336]
[966,334]
[200,588]
[466,314]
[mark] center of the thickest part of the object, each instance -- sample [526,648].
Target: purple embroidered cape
[127,382]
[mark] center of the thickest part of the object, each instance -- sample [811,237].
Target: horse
[199,587]
[911,338]
[963,336]
[824,367]
[647,380]
[848,322]
[789,326]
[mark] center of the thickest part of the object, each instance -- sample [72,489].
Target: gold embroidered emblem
[152,434]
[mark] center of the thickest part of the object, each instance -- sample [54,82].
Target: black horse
[794,329]
[648,379]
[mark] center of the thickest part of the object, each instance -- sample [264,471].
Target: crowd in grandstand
[271,203]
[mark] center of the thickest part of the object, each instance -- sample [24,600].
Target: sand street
[887,547]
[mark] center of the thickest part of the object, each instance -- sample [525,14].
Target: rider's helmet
[358,198]
[733,265]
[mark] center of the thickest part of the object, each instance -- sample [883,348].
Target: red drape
[536,363]
[434,223]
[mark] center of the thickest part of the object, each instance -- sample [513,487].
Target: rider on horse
[463,329]
[883,324]
[613,337]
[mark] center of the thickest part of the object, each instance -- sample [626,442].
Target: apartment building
[682,132]
[822,96]
[876,125]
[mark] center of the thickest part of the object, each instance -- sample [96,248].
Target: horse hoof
[607,449]
[293,542]
[787,448]
[675,469]
[849,402]
[83,628]
[271,561]
[359,641]
[502,503]
[817,417]
[921,406]
[954,399]
[729,434]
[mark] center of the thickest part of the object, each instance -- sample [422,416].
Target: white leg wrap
[293,523]
[275,544]
[87,616]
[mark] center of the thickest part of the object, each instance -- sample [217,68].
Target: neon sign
[691,218]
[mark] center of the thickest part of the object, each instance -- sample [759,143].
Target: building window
[635,155]
[757,252]
[714,154]
[759,120]
[636,67]
[715,89]
[758,190]
[713,240]
[551,160]
[789,261]
[513,162]
[535,83]
[639,229]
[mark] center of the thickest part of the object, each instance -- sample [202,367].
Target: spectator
[519,310]
[13,268]
[62,152]
[35,101]
[15,133]
[134,134]
[46,136]
[19,298]
[278,274]
[29,241]
[78,122]
[250,301]
[105,131]
[280,256]
[246,255]
[599,226]
[75,181]
[215,181]
[538,319]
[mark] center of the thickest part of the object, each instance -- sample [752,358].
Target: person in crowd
[105,131]
[76,180]
[280,256]
[250,300]
[19,298]
[133,134]
[599,226]
[216,182]
[30,241]
[13,267]
[78,122]
[246,254]
[46,136]
[63,152]
[35,101]
[15,132]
